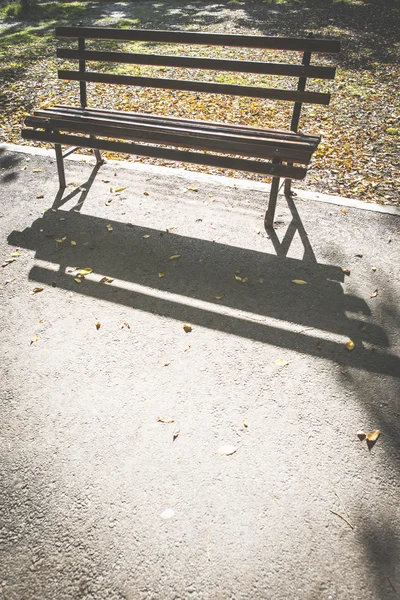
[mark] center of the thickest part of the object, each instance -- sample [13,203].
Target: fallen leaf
[37,170]
[174,256]
[344,211]
[372,436]
[193,188]
[125,324]
[280,362]
[108,202]
[226,450]
[245,423]
[187,348]
[161,274]
[361,435]
[8,261]
[73,243]
[373,268]
[175,434]
[166,364]
[187,327]
[245,279]
[165,419]
[218,297]
[119,189]
[98,324]
[238,278]
[61,240]
[106,280]
[213,226]
[346,271]
[109,227]
[350,345]
[40,196]
[16,253]
[299,281]
[36,290]
[374,294]
[145,193]
[34,339]
[9,280]
[145,236]
[105,180]
[85,271]
[78,280]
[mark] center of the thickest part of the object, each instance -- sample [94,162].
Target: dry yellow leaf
[346,271]
[9,280]
[193,188]
[373,268]
[145,193]
[34,339]
[372,436]
[187,327]
[37,170]
[161,274]
[245,279]
[36,290]
[344,211]
[109,227]
[174,256]
[125,324]
[350,345]
[78,280]
[120,189]
[187,348]
[73,243]
[175,434]
[218,297]
[85,271]
[245,423]
[16,253]
[165,419]
[61,240]
[299,281]
[106,280]
[238,278]
[226,450]
[280,362]
[145,236]
[40,196]
[98,324]
[373,294]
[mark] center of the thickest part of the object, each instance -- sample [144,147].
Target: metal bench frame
[283,150]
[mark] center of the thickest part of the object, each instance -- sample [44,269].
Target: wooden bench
[270,152]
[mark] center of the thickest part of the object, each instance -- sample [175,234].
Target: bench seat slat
[215,64]
[253,147]
[280,134]
[207,39]
[198,86]
[239,164]
[180,126]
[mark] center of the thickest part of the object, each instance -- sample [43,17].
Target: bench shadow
[202,286]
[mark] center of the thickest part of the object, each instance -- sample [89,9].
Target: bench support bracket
[273,196]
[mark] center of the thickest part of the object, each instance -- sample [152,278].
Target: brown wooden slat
[185,139]
[198,86]
[215,64]
[208,39]
[239,164]
[192,123]
[177,126]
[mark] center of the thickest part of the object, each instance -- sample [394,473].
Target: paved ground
[97,500]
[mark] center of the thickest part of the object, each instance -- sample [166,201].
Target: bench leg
[273,196]
[97,153]
[288,191]
[60,166]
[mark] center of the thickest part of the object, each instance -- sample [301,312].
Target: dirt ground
[98,500]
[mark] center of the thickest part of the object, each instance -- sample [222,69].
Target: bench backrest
[301,71]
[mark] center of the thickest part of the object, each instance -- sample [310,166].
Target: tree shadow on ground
[7,163]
